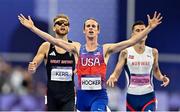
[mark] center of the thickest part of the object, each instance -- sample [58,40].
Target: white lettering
[90,61]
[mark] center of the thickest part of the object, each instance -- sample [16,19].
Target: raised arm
[152,23]
[119,66]
[157,73]
[28,23]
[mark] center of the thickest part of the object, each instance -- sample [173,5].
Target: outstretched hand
[26,22]
[32,67]
[155,21]
[165,81]
[112,79]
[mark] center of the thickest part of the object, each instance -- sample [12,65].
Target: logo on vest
[52,54]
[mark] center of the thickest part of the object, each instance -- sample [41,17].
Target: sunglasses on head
[62,22]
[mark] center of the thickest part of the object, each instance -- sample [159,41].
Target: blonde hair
[60,16]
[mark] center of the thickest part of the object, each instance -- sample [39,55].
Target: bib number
[91,83]
[61,74]
[140,80]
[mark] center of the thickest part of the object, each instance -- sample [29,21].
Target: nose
[90,28]
[62,24]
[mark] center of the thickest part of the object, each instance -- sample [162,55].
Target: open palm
[155,21]
[26,22]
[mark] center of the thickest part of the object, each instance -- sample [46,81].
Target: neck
[91,46]
[91,43]
[139,47]
[63,37]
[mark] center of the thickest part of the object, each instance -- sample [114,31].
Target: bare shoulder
[107,48]
[155,51]
[108,45]
[76,44]
[45,44]
[44,47]
[124,52]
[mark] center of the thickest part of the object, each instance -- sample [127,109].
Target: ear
[98,31]
[54,28]
[83,31]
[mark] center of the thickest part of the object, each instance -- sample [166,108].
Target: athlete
[91,59]
[140,63]
[60,65]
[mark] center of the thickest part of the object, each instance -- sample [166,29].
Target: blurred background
[18,45]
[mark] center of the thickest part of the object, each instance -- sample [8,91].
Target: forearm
[117,73]
[43,35]
[136,38]
[47,37]
[158,75]
[38,60]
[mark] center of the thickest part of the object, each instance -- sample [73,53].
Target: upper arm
[156,64]
[41,53]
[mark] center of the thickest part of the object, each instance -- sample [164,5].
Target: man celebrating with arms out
[91,59]
[59,66]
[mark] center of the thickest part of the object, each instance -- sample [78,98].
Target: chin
[90,37]
[62,33]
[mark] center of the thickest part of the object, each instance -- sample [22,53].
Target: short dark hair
[139,22]
[94,20]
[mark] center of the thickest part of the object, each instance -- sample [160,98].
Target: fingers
[148,17]
[32,67]
[160,18]
[29,17]
[164,84]
[159,15]
[165,81]
[22,16]
[155,14]
[20,19]
[110,83]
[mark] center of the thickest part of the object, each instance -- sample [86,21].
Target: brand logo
[52,54]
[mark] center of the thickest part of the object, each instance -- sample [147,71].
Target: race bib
[140,80]
[61,74]
[91,83]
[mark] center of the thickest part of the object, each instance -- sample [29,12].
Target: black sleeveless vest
[56,60]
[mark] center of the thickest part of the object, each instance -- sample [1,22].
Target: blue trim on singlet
[151,77]
[83,50]
[126,68]
[91,100]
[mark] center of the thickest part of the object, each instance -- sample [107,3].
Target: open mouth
[91,32]
[62,29]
